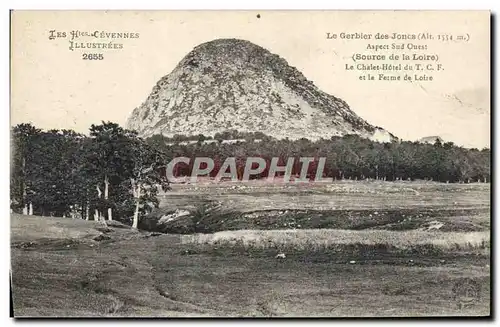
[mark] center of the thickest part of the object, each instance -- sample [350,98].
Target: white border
[255,4]
[190,4]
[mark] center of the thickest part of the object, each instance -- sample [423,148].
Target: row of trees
[110,173]
[226,135]
[348,157]
[114,174]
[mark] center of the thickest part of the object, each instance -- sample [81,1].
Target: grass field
[341,205]
[405,242]
[350,249]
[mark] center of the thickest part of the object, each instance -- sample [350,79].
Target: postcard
[250,164]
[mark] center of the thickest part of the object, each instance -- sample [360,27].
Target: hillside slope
[66,267]
[70,273]
[234,84]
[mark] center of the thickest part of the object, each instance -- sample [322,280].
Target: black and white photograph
[250,164]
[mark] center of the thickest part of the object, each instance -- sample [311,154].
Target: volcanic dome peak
[227,84]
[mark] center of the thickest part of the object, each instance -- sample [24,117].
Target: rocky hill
[234,84]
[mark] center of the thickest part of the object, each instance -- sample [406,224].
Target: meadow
[340,240]
[348,249]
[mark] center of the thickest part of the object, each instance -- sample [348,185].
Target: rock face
[234,84]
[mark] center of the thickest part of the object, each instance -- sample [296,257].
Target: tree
[350,156]
[109,161]
[22,167]
[145,176]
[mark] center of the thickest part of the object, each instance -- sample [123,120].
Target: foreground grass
[60,269]
[412,241]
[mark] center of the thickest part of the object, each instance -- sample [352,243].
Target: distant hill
[231,84]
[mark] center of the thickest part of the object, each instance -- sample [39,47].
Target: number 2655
[92,56]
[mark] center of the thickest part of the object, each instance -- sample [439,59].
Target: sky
[52,87]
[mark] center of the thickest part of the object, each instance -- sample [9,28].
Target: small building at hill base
[431,139]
